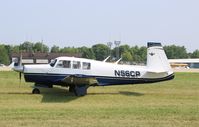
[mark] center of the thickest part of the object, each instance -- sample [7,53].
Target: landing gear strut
[35,91]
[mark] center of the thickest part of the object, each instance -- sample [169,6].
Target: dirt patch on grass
[5,69]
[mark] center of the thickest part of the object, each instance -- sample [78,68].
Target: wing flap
[80,80]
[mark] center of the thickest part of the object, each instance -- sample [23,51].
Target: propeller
[19,79]
[21,67]
[20,59]
[20,76]
[18,67]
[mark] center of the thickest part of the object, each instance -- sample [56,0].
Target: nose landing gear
[35,91]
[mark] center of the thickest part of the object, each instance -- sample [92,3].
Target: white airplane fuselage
[67,71]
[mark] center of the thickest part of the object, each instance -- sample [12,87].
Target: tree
[27,46]
[127,57]
[122,49]
[175,52]
[195,54]
[15,49]
[40,47]
[4,58]
[100,51]
[87,52]
[9,49]
[139,54]
[143,54]
[134,52]
[55,49]
[71,50]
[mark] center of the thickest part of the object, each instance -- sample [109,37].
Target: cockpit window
[53,62]
[59,64]
[64,64]
[86,66]
[76,65]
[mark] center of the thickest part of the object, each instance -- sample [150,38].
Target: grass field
[166,104]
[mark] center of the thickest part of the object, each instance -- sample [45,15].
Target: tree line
[132,54]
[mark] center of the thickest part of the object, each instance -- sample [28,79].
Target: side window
[64,64]
[86,66]
[76,65]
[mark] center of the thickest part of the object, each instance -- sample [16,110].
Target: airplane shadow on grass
[126,93]
[58,95]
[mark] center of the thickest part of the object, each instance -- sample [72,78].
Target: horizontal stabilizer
[156,71]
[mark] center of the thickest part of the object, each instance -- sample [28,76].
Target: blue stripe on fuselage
[47,78]
[105,81]
[42,78]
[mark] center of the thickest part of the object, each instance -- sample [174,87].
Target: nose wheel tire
[35,91]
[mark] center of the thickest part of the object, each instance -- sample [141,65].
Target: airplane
[79,73]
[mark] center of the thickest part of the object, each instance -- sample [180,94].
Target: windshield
[53,62]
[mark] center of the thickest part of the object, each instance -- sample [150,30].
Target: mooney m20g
[79,73]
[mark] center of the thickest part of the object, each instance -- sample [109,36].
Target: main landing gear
[78,90]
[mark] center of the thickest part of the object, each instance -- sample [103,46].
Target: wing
[80,80]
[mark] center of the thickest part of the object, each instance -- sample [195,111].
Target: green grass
[165,104]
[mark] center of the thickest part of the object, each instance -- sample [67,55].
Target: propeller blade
[19,79]
[20,76]
[20,59]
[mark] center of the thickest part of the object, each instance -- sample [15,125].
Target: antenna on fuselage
[106,59]
[118,61]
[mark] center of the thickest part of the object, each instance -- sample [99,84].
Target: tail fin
[157,61]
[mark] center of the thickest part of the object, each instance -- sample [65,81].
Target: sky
[88,22]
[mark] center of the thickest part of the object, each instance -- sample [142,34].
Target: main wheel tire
[80,90]
[35,91]
[71,89]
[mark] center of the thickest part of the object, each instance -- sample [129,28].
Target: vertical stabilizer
[156,59]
